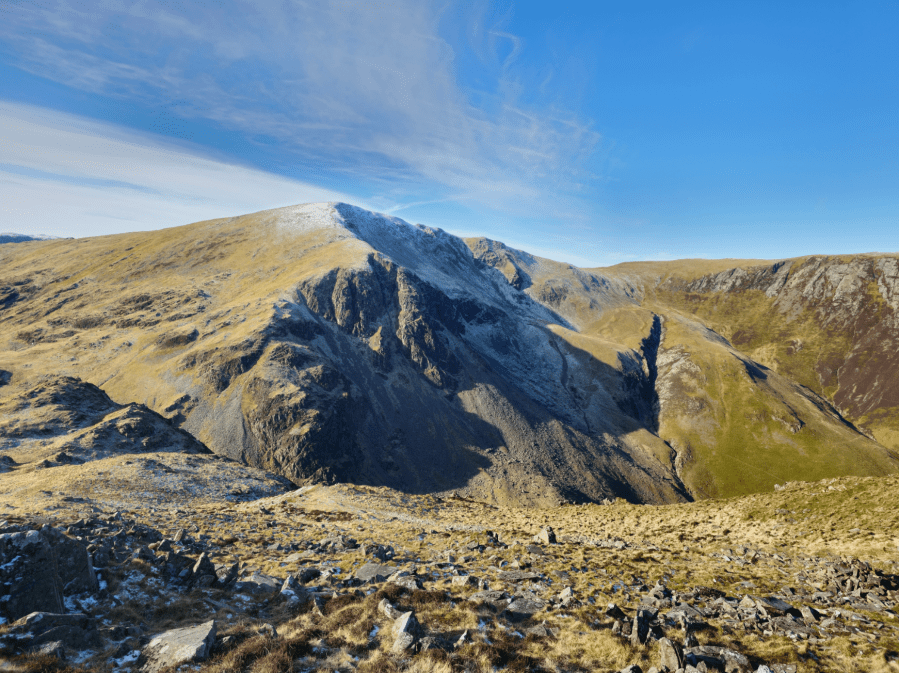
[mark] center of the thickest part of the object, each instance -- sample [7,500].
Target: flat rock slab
[176,647]
[374,572]
[522,608]
[518,576]
[491,596]
[259,583]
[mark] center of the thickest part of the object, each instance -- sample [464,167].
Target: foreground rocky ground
[352,578]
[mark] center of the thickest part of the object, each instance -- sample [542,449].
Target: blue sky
[591,133]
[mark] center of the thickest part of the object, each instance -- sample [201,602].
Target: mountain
[329,344]
[21,238]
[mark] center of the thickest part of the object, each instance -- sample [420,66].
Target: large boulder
[29,578]
[176,647]
[671,655]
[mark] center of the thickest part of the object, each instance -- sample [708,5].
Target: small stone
[408,632]
[227,574]
[292,590]
[671,655]
[545,536]
[387,609]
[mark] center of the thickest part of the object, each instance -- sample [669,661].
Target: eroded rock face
[372,374]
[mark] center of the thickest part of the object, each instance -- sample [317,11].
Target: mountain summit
[327,343]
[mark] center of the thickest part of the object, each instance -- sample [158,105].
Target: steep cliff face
[830,323]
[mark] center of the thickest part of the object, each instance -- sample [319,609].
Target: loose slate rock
[176,647]
[374,572]
[721,657]
[773,605]
[259,583]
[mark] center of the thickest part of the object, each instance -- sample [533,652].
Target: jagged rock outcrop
[62,420]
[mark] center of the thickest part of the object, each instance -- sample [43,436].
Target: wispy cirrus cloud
[367,90]
[64,175]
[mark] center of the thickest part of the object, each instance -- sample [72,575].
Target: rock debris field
[348,578]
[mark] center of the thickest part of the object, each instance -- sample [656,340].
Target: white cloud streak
[365,89]
[64,175]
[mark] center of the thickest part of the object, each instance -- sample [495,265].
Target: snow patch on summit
[437,257]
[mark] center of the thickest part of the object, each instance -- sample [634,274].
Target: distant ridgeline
[21,238]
